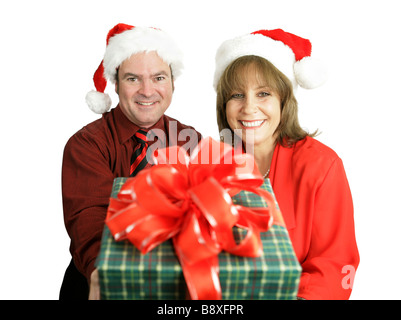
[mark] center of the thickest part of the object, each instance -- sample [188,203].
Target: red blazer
[312,191]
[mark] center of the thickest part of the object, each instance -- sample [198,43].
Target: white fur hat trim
[308,72]
[141,39]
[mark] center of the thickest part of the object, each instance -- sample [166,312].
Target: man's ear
[172,78]
[116,86]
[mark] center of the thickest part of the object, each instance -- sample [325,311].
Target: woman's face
[255,112]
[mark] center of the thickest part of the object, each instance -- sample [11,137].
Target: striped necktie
[138,159]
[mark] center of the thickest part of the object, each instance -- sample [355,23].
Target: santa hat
[122,42]
[287,52]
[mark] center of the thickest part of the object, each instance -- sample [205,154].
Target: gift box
[126,273]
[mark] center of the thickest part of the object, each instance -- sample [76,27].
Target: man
[143,63]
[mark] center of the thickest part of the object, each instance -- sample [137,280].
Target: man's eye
[132,79]
[160,78]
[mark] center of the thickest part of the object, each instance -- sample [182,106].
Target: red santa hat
[287,52]
[122,42]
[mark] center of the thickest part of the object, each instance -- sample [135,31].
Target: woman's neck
[263,155]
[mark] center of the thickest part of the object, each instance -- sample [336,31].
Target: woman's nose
[249,105]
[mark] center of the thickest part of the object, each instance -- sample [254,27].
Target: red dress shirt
[93,157]
[312,191]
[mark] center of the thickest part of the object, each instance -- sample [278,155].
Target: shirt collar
[126,128]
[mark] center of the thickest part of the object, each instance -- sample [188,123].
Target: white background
[50,50]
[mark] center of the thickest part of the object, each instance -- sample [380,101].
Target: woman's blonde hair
[235,77]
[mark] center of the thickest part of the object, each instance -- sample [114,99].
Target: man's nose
[146,89]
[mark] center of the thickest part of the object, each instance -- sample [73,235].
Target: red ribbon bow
[189,200]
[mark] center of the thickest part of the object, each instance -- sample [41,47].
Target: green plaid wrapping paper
[125,273]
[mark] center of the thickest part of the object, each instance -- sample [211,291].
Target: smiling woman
[268,83]
[255,78]
[255,110]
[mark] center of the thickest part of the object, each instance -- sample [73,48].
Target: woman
[256,76]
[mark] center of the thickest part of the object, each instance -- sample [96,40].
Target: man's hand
[94,288]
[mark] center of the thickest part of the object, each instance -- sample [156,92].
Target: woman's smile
[251,124]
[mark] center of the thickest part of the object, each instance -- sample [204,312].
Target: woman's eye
[237,96]
[264,94]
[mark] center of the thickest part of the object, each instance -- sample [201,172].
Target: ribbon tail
[198,256]
[202,279]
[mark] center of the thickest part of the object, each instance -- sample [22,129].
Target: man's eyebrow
[160,73]
[129,74]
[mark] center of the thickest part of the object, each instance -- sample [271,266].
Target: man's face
[145,88]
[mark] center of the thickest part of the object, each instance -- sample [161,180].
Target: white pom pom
[98,102]
[310,73]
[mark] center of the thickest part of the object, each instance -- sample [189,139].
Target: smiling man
[145,88]
[142,63]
